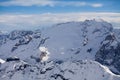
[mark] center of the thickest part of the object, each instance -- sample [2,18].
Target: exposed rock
[109,54]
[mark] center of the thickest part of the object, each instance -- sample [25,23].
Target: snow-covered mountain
[66,51]
[80,38]
[69,70]
[109,53]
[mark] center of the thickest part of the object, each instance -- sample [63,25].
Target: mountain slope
[69,70]
[76,40]
[80,38]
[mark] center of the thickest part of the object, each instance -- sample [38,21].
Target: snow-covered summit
[66,39]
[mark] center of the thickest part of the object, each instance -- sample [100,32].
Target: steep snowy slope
[70,70]
[109,53]
[76,40]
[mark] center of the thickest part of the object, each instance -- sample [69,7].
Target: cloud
[97,5]
[27,3]
[50,3]
[34,20]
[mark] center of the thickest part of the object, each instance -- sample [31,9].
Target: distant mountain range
[88,50]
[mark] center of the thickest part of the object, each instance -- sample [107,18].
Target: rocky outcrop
[67,70]
[109,53]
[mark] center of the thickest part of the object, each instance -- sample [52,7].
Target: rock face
[19,34]
[3,38]
[109,53]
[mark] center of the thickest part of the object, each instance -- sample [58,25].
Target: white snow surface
[2,61]
[70,37]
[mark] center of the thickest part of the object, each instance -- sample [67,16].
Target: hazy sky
[31,14]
